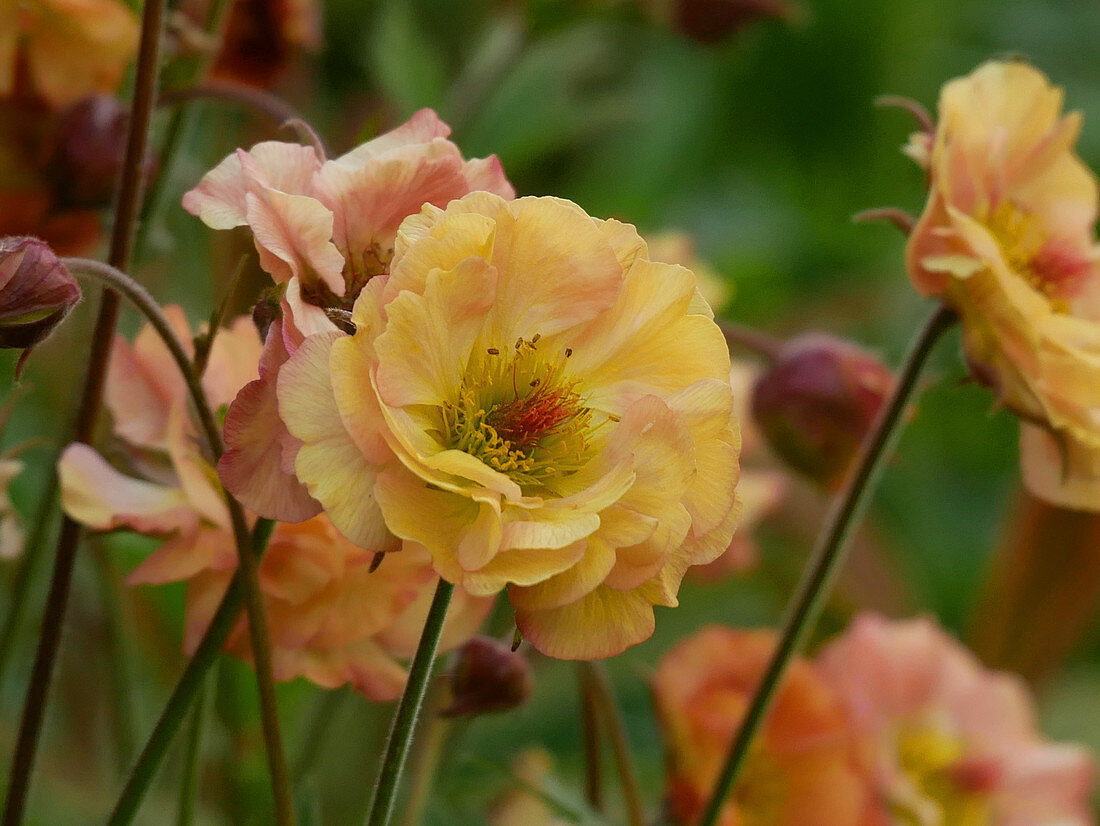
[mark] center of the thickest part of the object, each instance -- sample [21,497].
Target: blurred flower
[1006,240]
[801,765]
[760,488]
[330,618]
[323,229]
[679,248]
[36,293]
[488,676]
[537,404]
[710,21]
[89,146]
[946,741]
[522,807]
[11,531]
[71,48]
[817,402]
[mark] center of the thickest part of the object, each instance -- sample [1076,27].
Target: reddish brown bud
[817,401]
[36,292]
[709,21]
[88,151]
[488,677]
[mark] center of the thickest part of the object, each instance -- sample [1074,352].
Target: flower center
[359,268]
[1051,269]
[951,790]
[520,415]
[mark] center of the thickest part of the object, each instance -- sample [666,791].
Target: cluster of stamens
[520,414]
[1021,237]
[359,268]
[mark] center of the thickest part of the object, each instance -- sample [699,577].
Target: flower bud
[88,152]
[817,401]
[36,292]
[709,21]
[488,677]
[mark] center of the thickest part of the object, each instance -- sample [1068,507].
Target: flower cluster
[1007,240]
[331,619]
[894,723]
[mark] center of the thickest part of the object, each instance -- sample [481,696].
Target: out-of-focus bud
[488,677]
[36,292]
[710,21]
[817,401]
[88,151]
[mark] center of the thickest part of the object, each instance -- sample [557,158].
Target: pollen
[928,756]
[520,414]
[1023,241]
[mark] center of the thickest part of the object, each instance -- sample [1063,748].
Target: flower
[531,399]
[946,741]
[323,229]
[37,292]
[530,804]
[330,618]
[72,47]
[679,248]
[1006,239]
[488,676]
[816,403]
[801,764]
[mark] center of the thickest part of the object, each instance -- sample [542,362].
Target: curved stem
[829,553]
[608,709]
[756,341]
[404,719]
[249,568]
[175,710]
[121,247]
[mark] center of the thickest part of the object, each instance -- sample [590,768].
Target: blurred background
[758,141]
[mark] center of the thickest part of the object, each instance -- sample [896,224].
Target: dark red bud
[709,21]
[36,292]
[88,151]
[817,401]
[488,677]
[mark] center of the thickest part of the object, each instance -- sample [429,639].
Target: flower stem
[604,700]
[249,568]
[186,688]
[404,719]
[189,784]
[590,730]
[829,553]
[122,239]
[751,339]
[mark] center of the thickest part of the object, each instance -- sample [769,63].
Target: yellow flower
[538,404]
[1006,239]
[72,47]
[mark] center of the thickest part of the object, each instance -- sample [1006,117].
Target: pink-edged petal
[185,555]
[424,126]
[95,494]
[293,235]
[252,466]
[487,175]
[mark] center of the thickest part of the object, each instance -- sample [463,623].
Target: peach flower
[72,47]
[528,805]
[323,229]
[531,399]
[801,768]
[1006,239]
[330,619]
[947,742]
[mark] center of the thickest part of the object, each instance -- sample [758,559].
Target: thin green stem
[828,554]
[321,721]
[603,699]
[590,732]
[189,783]
[432,735]
[121,248]
[175,710]
[404,719]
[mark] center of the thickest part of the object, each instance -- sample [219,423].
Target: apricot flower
[538,404]
[946,741]
[1006,239]
[801,767]
[72,47]
[324,229]
[330,618]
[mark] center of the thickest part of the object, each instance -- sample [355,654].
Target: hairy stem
[603,699]
[404,719]
[828,554]
[249,567]
[590,730]
[122,239]
[175,710]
